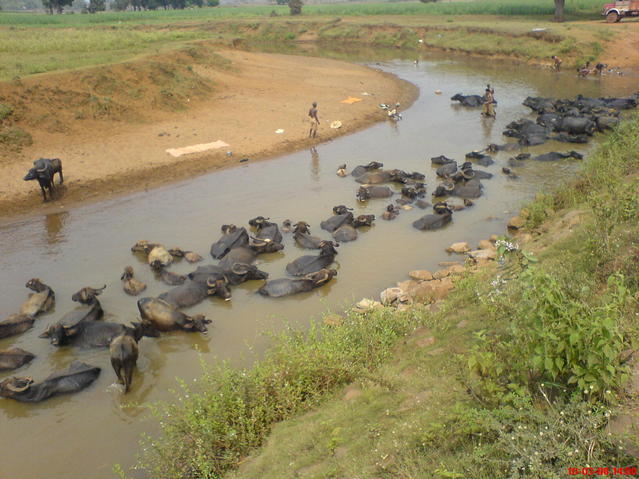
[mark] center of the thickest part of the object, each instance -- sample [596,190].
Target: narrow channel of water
[85,434]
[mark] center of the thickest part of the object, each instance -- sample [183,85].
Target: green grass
[574,8]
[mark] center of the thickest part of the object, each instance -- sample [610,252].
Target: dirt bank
[112,128]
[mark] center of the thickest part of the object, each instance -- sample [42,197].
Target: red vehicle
[614,12]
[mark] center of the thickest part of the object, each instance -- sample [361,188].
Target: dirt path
[260,94]
[623,51]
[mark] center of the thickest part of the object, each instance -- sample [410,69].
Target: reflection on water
[93,248]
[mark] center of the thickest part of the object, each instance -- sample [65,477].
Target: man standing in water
[312,113]
[489,102]
[557,62]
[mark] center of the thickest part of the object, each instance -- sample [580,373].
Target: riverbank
[112,130]
[524,367]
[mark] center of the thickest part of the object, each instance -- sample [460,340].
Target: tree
[57,5]
[559,10]
[295,6]
[97,6]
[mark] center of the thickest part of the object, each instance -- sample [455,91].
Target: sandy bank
[258,95]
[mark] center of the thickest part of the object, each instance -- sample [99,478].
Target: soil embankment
[111,126]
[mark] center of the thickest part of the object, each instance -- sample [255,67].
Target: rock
[456,269]
[525,214]
[333,320]
[420,274]
[515,223]
[393,295]
[459,248]
[493,238]
[366,305]
[486,244]
[447,263]
[483,254]
[462,324]
[442,273]
[352,392]
[424,342]
[431,291]
[408,284]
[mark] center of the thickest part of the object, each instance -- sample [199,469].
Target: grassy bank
[38,43]
[518,373]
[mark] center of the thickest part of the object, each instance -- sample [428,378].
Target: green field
[574,8]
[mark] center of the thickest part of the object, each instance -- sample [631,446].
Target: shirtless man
[489,107]
[557,62]
[312,114]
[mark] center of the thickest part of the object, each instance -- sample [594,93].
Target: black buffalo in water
[41,301]
[232,237]
[166,276]
[124,353]
[237,273]
[335,221]
[70,324]
[527,132]
[447,169]
[345,233]
[443,215]
[441,160]
[363,220]
[15,324]
[131,285]
[78,377]
[165,317]
[303,238]
[311,264]
[243,254]
[554,156]
[472,101]
[361,169]
[99,334]
[43,171]
[284,286]
[14,358]
[266,230]
[365,193]
[481,158]
[494,148]
[390,213]
[193,292]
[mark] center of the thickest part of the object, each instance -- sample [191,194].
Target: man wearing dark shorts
[312,114]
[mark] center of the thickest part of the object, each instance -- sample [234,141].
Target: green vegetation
[516,374]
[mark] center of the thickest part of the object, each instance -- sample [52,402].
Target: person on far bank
[489,102]
[312,114]
[557,63]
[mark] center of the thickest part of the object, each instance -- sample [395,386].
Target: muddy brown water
[83,435]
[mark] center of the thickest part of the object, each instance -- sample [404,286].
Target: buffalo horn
[16,389]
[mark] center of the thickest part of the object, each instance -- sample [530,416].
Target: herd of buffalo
[237,249]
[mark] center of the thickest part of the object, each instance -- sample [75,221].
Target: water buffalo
[365,193]
[238,273]
[447,170]
[190,256]
[441,160]
[576,125]
[341,210]
[554,156]
[266,230]
[303,238]
[78,377]
[311,264]
[472,101]
[131,285]
[469,189]
[284,286]
[193,292]
[443,215]
[99,334]
[363,220]
[568,138]
[540,105]
[494,148]
[43,170]
[606,122]
[260,246]
[14,358]
[390,213]
[89,311]
[361,169]
[167,277]
[527,132]
[124,355]
[155,252]
[165,317]
[15,324]
[242,254]
[336,221]
[412,192]
[481,158]
[232,237]
[341,170]
[287,226]
[41,301]
[345,233]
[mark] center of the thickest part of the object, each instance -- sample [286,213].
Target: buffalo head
[31,175]
[228,229]
[14,386]
[363,220]
[197,322]
[328,248]
[363,194]
[302,227]
[142,329]
[218,287]
[258,222]
[322,276]
[36,285]
[248,271]
[341,210]
[87,295]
